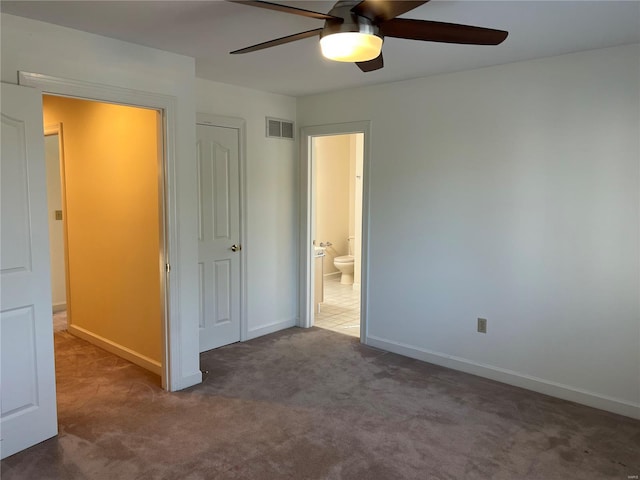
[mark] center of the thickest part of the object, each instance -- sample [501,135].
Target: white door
[219,246]
[28,395]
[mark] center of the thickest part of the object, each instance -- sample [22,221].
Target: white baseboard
[332,274]
[186,381]
[271,328]
[510,377]
[356,287]
[59,307]
[117,349]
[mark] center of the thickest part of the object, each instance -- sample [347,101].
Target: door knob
[236,248]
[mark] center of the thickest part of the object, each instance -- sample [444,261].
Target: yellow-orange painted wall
[112,215]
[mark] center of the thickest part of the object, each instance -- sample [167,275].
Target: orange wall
[112,214]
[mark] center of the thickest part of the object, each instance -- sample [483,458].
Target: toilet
[345,265]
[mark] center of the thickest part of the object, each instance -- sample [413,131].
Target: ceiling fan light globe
[351,46]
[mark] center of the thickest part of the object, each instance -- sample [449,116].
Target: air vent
[278,128]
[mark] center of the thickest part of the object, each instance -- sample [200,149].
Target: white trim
[59,307]
[120,350]
[271,328]
[306,199]
[240,125]
[186,381]
[172,376]
[510,377]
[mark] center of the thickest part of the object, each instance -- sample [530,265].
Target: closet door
[219,248]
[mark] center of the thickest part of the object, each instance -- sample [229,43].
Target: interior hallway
[312,404]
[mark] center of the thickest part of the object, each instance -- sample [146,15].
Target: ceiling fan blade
[279,41]
[286,9]
[441,32]
[377,10]
[375,64]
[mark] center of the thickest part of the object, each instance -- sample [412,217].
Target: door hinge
[167,267]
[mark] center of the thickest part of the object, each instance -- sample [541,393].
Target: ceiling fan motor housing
[348,21]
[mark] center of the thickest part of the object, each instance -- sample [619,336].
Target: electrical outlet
[482,325]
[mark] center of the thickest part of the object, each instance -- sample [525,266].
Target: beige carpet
[60,321]
[314,404]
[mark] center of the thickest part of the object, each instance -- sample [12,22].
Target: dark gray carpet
[314,404]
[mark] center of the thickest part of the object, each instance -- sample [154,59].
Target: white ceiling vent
[278,128]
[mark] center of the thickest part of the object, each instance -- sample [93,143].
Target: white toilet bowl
[345,265]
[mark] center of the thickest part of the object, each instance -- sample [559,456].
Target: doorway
[53,163]
[337,226]
[335,205]
[109,209]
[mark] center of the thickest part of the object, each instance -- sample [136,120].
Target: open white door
[28,391]
[219,246]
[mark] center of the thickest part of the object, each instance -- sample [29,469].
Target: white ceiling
[208,30]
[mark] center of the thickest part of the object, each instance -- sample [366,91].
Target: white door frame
[240,125]
[57,129]
[306,218]
[169,284]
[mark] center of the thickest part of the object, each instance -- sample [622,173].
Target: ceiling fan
[354,30]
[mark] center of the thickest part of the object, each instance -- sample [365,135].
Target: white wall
[56,230]
[43,48]
[510,193]
[272,202]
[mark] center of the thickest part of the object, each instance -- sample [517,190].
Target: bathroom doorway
[335,226]
[337,214]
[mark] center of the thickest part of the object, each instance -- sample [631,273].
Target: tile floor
[340,311]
